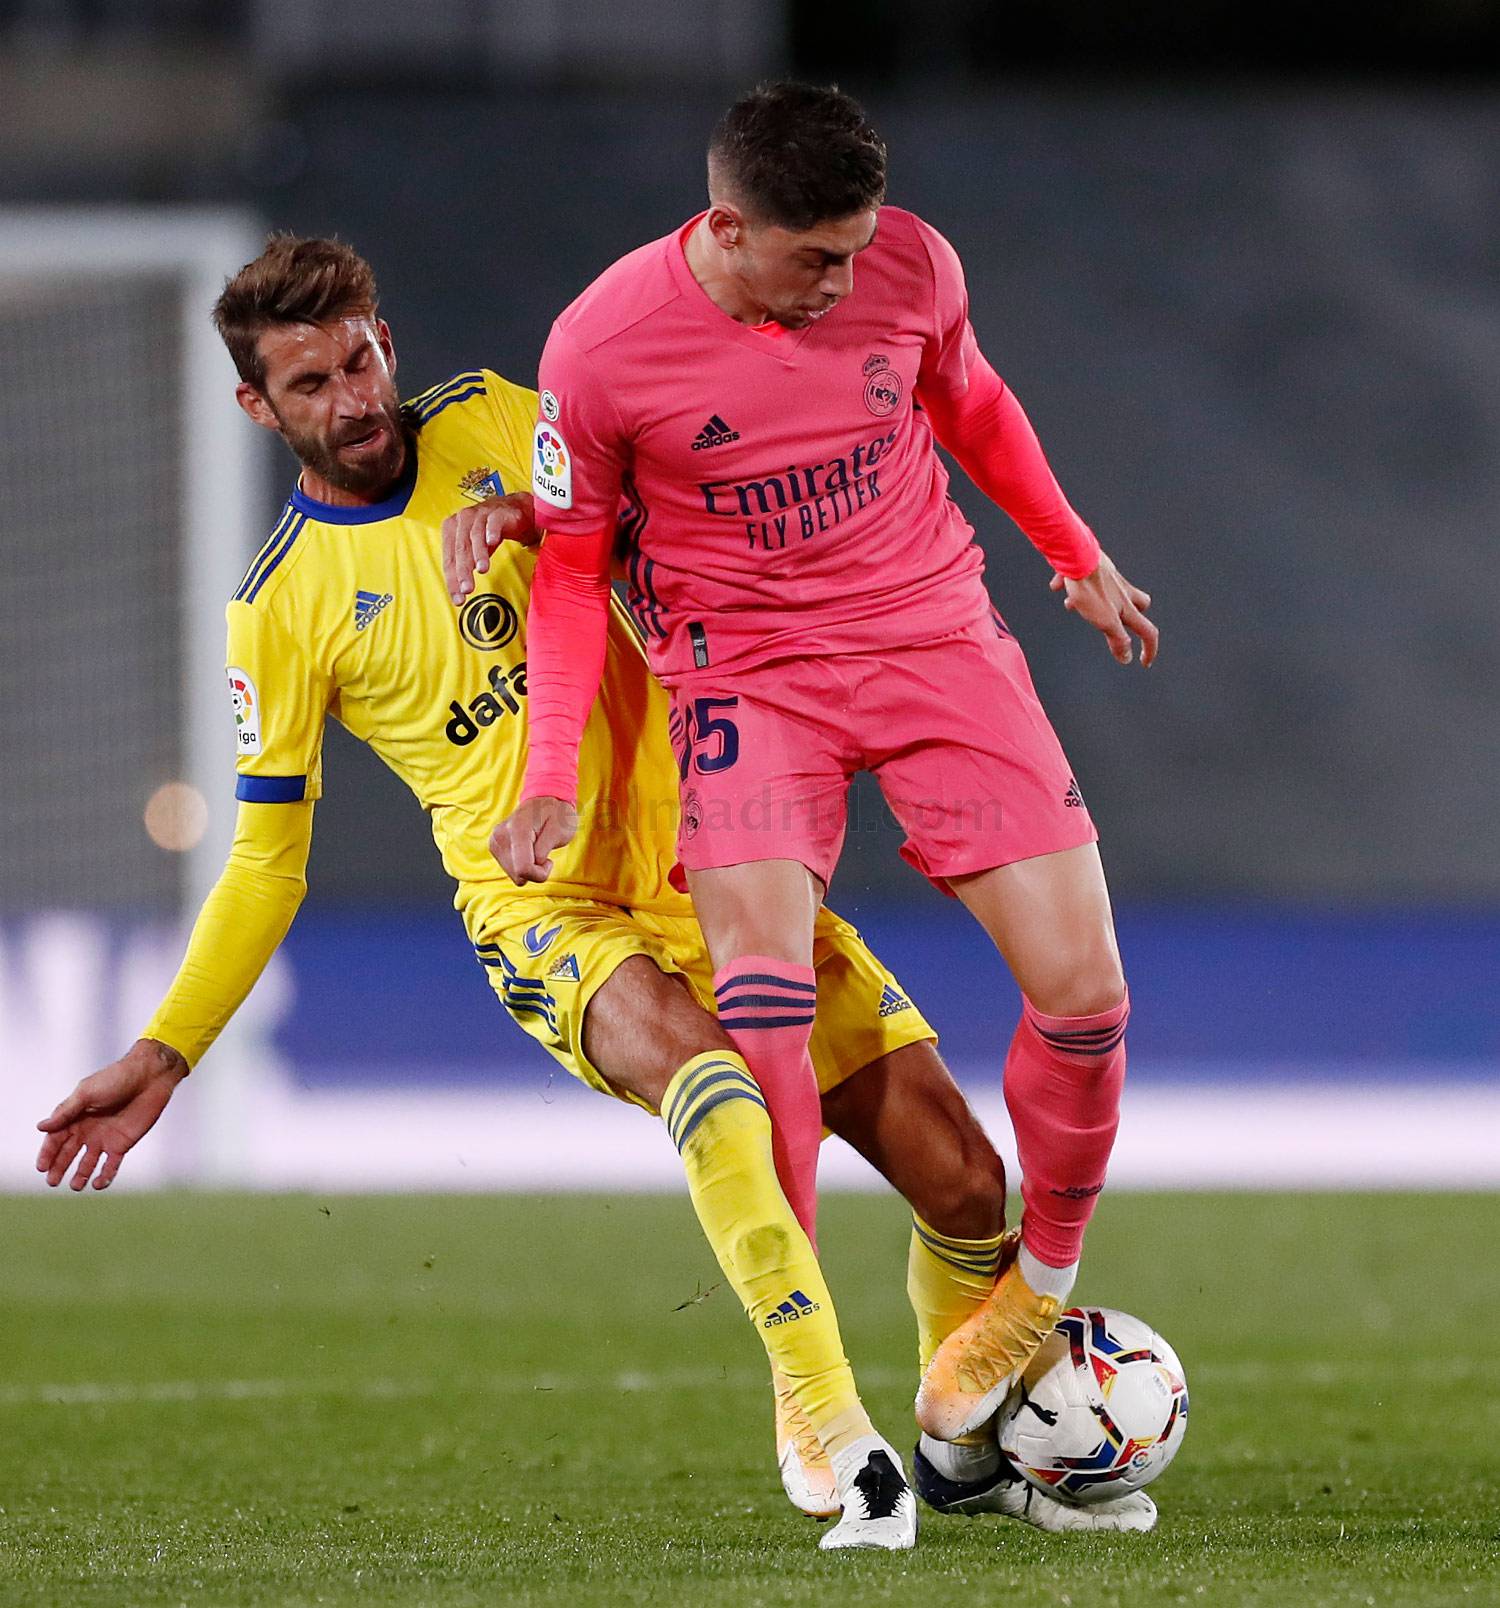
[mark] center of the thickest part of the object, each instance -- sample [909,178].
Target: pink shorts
[952,730]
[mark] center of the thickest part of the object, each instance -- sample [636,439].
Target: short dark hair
[798,155]
[293,281]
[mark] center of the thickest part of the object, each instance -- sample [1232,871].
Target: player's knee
[643,1025]
[670,1049]
[693,1032]
[1086,982]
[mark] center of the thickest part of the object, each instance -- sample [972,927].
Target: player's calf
[758,919]
[767,1006]
[1050,917]
[717,1118]
[907,1117]
[715,1112]
[1063,1079]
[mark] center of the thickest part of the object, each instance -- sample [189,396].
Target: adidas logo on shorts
[891,1001]
[714,434]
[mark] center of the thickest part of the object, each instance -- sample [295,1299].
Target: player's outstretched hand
[523,842]
[472,534]
[1112,605]
[108,1113]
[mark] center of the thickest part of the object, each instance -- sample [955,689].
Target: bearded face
[330,392]
[363,456]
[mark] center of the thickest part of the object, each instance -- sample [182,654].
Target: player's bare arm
[108,1113]
[1113,606]
[472,534]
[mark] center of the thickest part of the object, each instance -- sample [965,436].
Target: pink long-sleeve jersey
[783,497]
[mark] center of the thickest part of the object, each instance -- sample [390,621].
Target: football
[1100,1412]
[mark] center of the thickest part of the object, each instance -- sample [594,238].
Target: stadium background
[1244,285]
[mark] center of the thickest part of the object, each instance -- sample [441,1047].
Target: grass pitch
[411,1401]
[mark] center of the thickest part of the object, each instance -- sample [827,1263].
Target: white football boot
[1007,1494]
[806,1474]
[1135,1512]
[879,1508]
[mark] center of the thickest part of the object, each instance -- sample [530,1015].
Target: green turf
[409,1401]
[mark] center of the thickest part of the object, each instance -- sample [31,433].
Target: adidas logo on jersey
[367,606]
[891,1002]
[795,1306]
[1073,799]
[714,434]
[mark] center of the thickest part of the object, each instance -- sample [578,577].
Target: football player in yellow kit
[345,612]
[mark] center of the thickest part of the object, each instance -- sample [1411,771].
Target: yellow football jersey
[344,612]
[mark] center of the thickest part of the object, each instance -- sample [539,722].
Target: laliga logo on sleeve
[246,701]
[552,468]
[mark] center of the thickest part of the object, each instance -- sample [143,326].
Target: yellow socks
[717,1118]
[946,1280]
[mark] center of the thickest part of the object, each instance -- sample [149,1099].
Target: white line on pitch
[92,1393]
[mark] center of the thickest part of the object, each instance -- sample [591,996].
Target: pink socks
[766,1007]
[1063,1078]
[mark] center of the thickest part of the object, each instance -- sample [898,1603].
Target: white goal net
[130,499]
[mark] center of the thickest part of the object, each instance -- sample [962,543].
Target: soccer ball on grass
[1101,1410]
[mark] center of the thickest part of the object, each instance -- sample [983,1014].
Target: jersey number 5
[710,740]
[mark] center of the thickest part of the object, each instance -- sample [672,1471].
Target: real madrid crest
[882,385]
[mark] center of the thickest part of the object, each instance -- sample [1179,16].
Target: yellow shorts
[546,957]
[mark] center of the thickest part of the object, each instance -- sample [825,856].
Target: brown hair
[798,155]
[293,281]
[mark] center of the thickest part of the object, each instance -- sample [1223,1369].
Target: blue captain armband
[271,789]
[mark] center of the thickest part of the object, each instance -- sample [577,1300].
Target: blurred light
[176,817]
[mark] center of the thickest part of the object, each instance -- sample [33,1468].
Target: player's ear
[387,346]
[726,224]
[256,406]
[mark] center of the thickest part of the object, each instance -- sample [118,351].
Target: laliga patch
[246,701]
[552,467]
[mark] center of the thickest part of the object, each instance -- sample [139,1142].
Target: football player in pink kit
[766,387]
